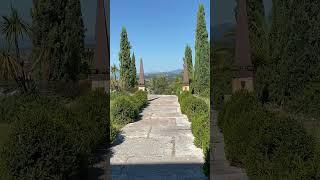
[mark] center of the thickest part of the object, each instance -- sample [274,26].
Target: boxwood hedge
[267,144]
[197,111]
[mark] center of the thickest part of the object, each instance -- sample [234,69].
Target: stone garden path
[220,167]
[159,146]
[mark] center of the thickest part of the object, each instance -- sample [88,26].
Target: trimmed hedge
[124,109]
[266,144]
[197,111]
[191,105]
[51,141]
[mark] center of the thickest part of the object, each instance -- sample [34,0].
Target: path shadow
[153,99]
[119,139]
[100,163]
[168,171]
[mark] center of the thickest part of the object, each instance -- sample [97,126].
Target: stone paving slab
[158,146]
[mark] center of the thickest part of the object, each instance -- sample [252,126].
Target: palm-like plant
[9,67]
[13,28]
[114,71]
[114,81]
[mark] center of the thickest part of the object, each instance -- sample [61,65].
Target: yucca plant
[9,67]
[13,27]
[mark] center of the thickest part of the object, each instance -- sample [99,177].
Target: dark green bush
[39,146]
[267,144]
[92,119]
[50,141]
[206,165]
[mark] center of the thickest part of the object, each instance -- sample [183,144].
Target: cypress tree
[74,40]
[58,38]
[47,35]
[125,60]
[133,72]
[188,59]
[202,64]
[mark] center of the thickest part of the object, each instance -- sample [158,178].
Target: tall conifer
[125,60]
[202,64]
[188,59]
[133,71]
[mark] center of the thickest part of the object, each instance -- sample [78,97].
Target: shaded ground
[4,132]
[220,168]
[159,146]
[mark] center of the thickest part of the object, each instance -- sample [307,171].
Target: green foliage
[188,59]
[73,46]
[198,113]
[202,52]
[133,72]
[57,28]
[206,165]
[123,110]
[191,106]
[139,99]
[267,144]
[50,141]
[200,129]
[293,64]
[159,85]
[29,151]
[125,60]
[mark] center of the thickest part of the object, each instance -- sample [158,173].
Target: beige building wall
[242,83]
[143,88]
[185,88]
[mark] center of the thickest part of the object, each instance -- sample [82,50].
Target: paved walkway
[219,166]
[159,146]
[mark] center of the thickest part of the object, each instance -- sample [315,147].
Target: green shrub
[201,129]
[206,165]
[92,119]
[123,110]
[197,111]
[50,141]
[241,101]
[281,147]
[267,144]
[113,132]
[192,105]
[139,99]
[38,146]
[116,94]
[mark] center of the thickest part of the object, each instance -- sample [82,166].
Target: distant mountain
[173,72]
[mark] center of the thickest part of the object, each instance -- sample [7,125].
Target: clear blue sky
[158,30]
